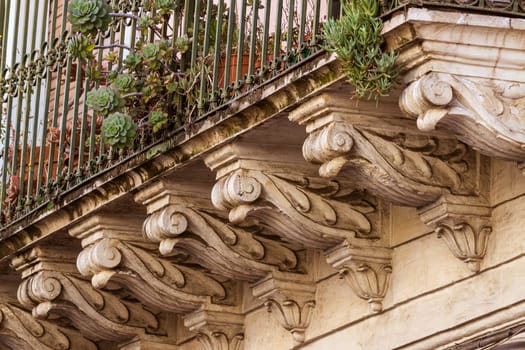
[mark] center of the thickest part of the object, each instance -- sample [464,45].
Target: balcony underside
[295,198]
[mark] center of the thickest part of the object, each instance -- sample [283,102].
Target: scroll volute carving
[285,200]
[386,155]
[182,223]
[486,114]
[20,330]
[114,250]
[52,289]
[463,225]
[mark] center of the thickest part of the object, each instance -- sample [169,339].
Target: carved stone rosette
[486,114]
[114,250]
[20,330]
[387,156]
[217,329]
[52,289]
[291,301]
[367,270]
[465,227]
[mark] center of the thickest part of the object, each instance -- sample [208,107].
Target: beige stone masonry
[258,186]
[52,288]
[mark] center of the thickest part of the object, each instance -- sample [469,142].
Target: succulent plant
[150,51]
[89,16]
[105,100]
[132,61]
[119,130]
[81,47]
[165,6]
[125,83]
[157,120]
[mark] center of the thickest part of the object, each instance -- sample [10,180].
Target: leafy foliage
[119,130]
[105,100]
[151,83]
[356,38]
[89,16]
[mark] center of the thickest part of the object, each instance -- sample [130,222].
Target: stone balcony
[300,218]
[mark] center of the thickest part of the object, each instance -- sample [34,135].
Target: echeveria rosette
[81,47]
[119,130]
[165,7]
[132,61]
[125,83]
[157,119]
[150,51]
[105,100]
[89,16]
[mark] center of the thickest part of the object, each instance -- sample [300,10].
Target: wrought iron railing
[511,8]
[50,139]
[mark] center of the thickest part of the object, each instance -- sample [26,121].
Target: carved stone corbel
[486,114]
[464,225]
[114,250]
[366,269]
[290,300]
[217,328]
[383,152]
[20,330]
[287,199]
[186,224]
[52,288]
[258,187]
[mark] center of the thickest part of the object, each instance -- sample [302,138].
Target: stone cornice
[474,45]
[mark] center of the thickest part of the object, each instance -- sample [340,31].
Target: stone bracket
[486,114]
[389,157]
[114,250]
[291,299]
[289,199]
[52,289]
[180,223]
[367,269]
[20,330]
[464,224]
[218,328]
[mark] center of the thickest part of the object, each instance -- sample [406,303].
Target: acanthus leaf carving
[19,330]
[218,328]
[291,299]
[224,249]
[405,168]
[126,260]
[111,317]
[319,221]
[367,269]
[486,114]
[53,290]
[465,227]
[466,239]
